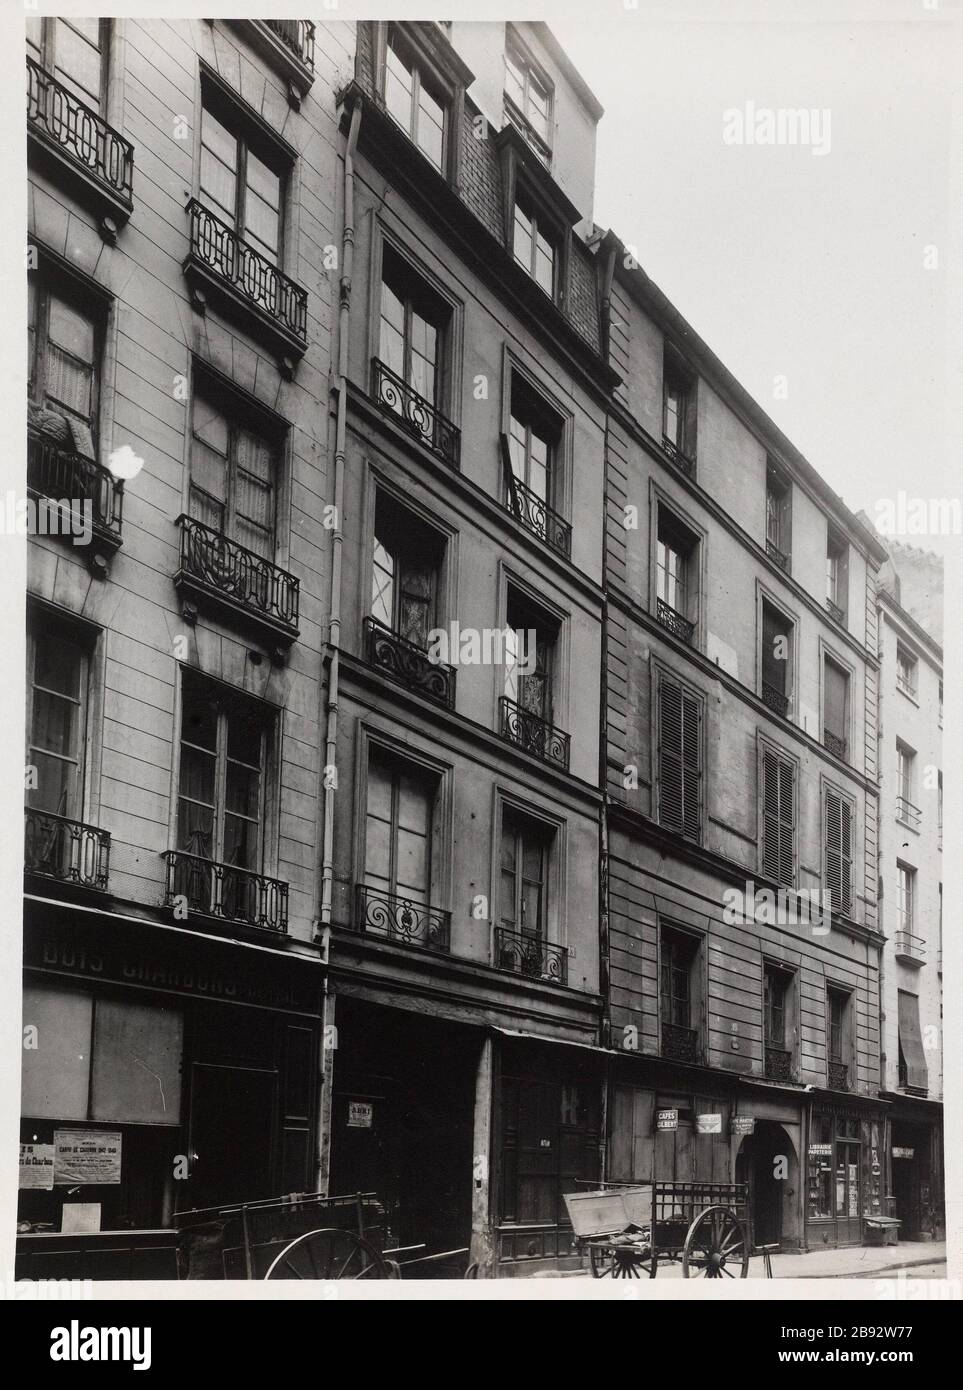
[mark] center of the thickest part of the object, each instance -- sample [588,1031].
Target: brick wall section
[583,305]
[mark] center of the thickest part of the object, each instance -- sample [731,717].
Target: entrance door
[232,1123]
[847,1196]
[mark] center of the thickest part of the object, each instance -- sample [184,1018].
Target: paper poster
[360,1114]
[743,1124]
[86,1156]
[37,1166]
[708,1124]
[80,1218]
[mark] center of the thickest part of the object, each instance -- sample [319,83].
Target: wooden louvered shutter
[839,852]
[680,760]
[778,819]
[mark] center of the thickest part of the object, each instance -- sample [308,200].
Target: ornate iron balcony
[774,553]
[409,664]
[530,956]
[225,891]
[223,262]
[678,625]
[681,460]
[775,699]
[298,34]
[214,565]
[426,423]
[402,920]
[838,1076]
[533,734]
[67,127]
[778,1064]
[66,849]
[63,475]
[909,948]
[836,612]
[680,1044]
[908,813]
[835,744]
[538,517]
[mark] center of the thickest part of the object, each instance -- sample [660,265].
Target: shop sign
[86,1156]
[820,1150]
[743,1124]
[903,1153]
[666,1119]
[37,1166]
[709,1124]
[360,1114]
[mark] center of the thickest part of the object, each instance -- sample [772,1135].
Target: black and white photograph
[478,501]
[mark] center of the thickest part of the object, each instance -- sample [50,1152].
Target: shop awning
[911,1041]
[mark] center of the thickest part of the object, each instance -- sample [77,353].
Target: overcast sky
[789,263]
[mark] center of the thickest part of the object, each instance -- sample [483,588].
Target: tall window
[75,52]
[676,575]
[906,671]
[413,323]
[233,469]
[241,179]
[777,642]
[399,827]
[838,1005]
[678,407]
[56,719]
[528,100]
[529,657]
[533,440]
[680,759]
[778,496]
[534,245]
[905,888]
[775,989]
[404,579]
[63,338]
[412,103]
[671,570]
[835,708]
[524,871]
[905,809]
[837,573]
[778,818]
[678,952]
[838,850]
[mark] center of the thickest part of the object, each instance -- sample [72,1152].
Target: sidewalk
[853,1262]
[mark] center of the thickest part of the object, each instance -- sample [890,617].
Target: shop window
[549,1146]
[838,850]
[74,51]
[233,485]
[778,817]
[680,759]
[528,99]
[242,175]
[413,100]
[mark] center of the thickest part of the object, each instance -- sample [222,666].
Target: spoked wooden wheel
[716,1246]
[614,1262]
[329,1254]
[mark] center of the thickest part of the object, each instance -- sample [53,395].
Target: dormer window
[533,245]
[528,100]
[414,102]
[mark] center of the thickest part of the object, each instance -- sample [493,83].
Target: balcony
[775,699]
[682,461]
[675,623]
[532,734]
[530,956]
[58,847]
[287,46]
[838,1076]
[778,1064]
[298,36]
[77,487]
[680,1044]
[417,414]
[408,664]
[100,163]
[910,949]
[400,920]
[246,285]
[226,892]
[240,586]
[907,813]
[835,612]
[532,512]
[835,744]
[778,556]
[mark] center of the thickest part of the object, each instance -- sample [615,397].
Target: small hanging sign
[360,1114]
[743,1124]
[709,1124]
[666,1119]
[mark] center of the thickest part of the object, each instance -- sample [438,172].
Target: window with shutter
[778,819]
[839,851]
[835,700]
[680,760]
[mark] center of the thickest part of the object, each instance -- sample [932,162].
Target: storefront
[845,1178]
[916,1167]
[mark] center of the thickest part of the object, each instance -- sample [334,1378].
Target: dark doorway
[910,1160]
[767,1163]
[232,1123]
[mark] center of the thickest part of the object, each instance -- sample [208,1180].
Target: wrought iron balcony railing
[908,813]
[836,612]
[427,424]
[775,699]
[680,1044]
[65,125]
[401,919]
[678,625]
[538,517]
[225,262]
[835,744]
[298,34]
[69,850]
[838,1076]
[533,734]
[778,1064]
[408,664]
[780,556]
[682,461]
[225,891]
[66,477]
[910,949]
[530,956]
[214,564]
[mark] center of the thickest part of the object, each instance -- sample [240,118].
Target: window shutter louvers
[839,852]
[778,819]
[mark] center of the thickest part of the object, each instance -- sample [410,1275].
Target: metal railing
[909,947]
[681,460]
[65,121]
[676,624]
[908,813]
[230,569]
[408,663]
[400,919]
[835,611]
[778,1064]
[533,734]
[428,425]
[226,891]
[298,35]
[69,850]
[530,956]
[835,744]
[538,517]
[774,553]
[679,1044]
[838,1076]
[218,247]
[66,476]
[775,699]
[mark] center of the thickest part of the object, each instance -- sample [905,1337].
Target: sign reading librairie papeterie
[667,1119]
[86,1156]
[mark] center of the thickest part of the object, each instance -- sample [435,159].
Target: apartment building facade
[911,879]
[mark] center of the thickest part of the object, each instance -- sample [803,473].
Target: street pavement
[916,1259]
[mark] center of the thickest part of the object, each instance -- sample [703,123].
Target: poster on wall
[708,1124]
[86,1156]
[666,1119]
[37,1166]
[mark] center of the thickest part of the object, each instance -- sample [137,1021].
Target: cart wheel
[329,1254]
[716,1246]
[615,1263]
